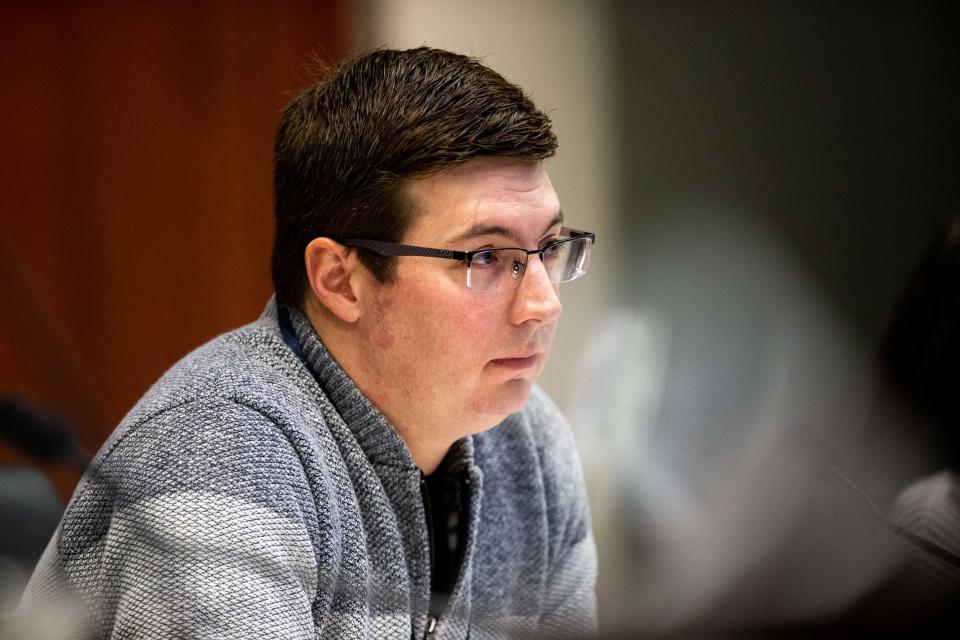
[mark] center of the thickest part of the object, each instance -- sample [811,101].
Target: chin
[508,398]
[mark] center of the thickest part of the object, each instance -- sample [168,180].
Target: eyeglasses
[565,258]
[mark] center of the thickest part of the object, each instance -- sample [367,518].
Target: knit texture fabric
[930,507]
[244,498]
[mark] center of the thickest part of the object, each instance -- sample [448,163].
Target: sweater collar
[376,436]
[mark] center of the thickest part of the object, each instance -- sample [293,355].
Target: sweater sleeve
[570,607]
[197,523]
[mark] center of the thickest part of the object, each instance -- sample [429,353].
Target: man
[370,459]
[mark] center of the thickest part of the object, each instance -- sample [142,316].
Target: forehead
[508,194]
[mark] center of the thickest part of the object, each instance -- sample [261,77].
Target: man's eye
[485,259]
[552,251]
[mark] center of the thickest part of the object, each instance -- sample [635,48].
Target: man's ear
[329,269]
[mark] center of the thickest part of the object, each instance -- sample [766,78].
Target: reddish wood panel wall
[135,197]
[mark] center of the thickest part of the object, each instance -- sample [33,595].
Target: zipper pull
[431,627]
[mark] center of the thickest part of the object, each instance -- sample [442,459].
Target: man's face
[440,353]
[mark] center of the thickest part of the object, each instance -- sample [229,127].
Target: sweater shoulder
[249,366]
[244,391]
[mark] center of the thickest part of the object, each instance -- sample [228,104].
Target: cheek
[383,339]
[445,340]
[380,332]
[470,333]
[454,333]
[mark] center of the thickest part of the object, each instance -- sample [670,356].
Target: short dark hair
[346,146]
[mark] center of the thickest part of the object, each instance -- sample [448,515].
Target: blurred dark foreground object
[30,510]
[39,434]
[920,359]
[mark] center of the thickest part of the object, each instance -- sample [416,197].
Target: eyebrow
[479,230]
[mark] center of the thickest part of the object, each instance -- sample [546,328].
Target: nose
[536,298]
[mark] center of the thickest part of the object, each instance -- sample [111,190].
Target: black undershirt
[444,498]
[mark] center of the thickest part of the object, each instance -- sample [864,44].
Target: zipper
[465,487]
[431,626]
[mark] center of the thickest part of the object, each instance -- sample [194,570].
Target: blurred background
[763,178]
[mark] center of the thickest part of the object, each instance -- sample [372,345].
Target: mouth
[524,362]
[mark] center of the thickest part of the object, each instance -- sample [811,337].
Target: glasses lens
[495,269]
[564,260]
[567,260]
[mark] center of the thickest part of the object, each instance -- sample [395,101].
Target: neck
[427,442]
[427,456]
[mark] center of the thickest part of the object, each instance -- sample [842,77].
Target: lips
[521,362]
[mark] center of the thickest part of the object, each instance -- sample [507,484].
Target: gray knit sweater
[244,498]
